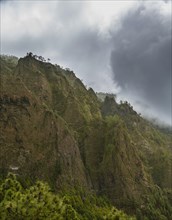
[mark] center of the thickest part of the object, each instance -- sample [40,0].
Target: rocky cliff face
[35,140]
[53,128]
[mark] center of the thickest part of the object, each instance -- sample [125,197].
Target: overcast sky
[122,47]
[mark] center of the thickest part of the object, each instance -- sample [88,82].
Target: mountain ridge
[50,121]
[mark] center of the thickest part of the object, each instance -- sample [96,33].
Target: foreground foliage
[38,202]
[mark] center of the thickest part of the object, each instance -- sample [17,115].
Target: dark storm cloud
[141,58]
[75,35]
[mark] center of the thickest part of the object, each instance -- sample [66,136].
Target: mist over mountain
[86,116]
[141,59]
[114,47]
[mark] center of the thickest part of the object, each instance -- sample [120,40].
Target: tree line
[40,58]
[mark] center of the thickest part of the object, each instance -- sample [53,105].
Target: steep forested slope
[56,130]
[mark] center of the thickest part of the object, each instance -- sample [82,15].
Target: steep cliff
[54,129]
[35,140]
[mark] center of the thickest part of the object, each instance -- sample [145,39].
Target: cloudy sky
[121,46]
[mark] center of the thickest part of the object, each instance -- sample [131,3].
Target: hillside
[53,129]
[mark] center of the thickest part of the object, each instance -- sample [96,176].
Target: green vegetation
[38,202]
[55,130]
[156,206]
